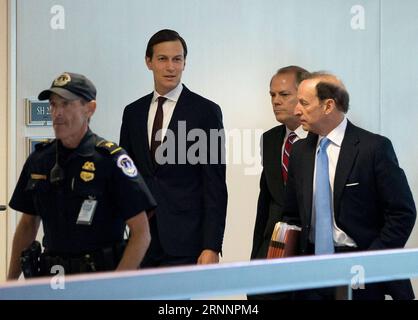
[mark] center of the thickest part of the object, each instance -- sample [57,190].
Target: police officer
[83,188]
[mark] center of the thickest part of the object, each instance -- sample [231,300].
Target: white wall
[3,135]
[399,98]
[234,48]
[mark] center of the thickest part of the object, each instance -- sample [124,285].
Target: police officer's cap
[71,86]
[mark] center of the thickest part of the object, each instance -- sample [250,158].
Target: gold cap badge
[62,80]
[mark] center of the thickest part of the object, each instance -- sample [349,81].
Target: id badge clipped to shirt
[88,208]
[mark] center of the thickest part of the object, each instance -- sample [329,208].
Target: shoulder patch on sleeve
[127,165]
[108,146]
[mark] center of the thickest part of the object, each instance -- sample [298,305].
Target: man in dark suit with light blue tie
[176,139]
[345,187]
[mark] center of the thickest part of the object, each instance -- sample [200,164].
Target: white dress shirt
[168,109]
[333,151]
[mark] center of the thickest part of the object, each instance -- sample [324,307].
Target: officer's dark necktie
[323,212]
[156,139]
[286,154]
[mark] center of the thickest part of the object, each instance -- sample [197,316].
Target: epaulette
[108,146]
[43,144]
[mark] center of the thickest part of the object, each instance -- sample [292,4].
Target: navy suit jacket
[191,198]
[272,191]
[373,203]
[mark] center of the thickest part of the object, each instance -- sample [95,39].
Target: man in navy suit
[276,146]
[369,205]
[175,138]
[283,91]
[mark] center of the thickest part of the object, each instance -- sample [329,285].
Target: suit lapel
[179,111]
[346,159]
[143,131]
[308,165]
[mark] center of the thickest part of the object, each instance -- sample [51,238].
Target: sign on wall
[38,113]
[31,142]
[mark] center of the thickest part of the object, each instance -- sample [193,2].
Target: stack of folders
[284,241]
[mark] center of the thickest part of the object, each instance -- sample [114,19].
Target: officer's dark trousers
[157,257]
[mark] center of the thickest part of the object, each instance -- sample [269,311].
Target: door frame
[7,127]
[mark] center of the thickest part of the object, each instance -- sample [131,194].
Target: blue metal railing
[225,279]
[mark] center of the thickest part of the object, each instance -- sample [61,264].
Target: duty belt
[104,259]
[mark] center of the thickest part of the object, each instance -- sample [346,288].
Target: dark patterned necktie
[157,125]
[286,154]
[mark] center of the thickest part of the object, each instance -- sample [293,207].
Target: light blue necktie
[323,221]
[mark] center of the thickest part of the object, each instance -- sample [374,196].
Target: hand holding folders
[284,241]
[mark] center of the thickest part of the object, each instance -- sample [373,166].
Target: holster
[29,260]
